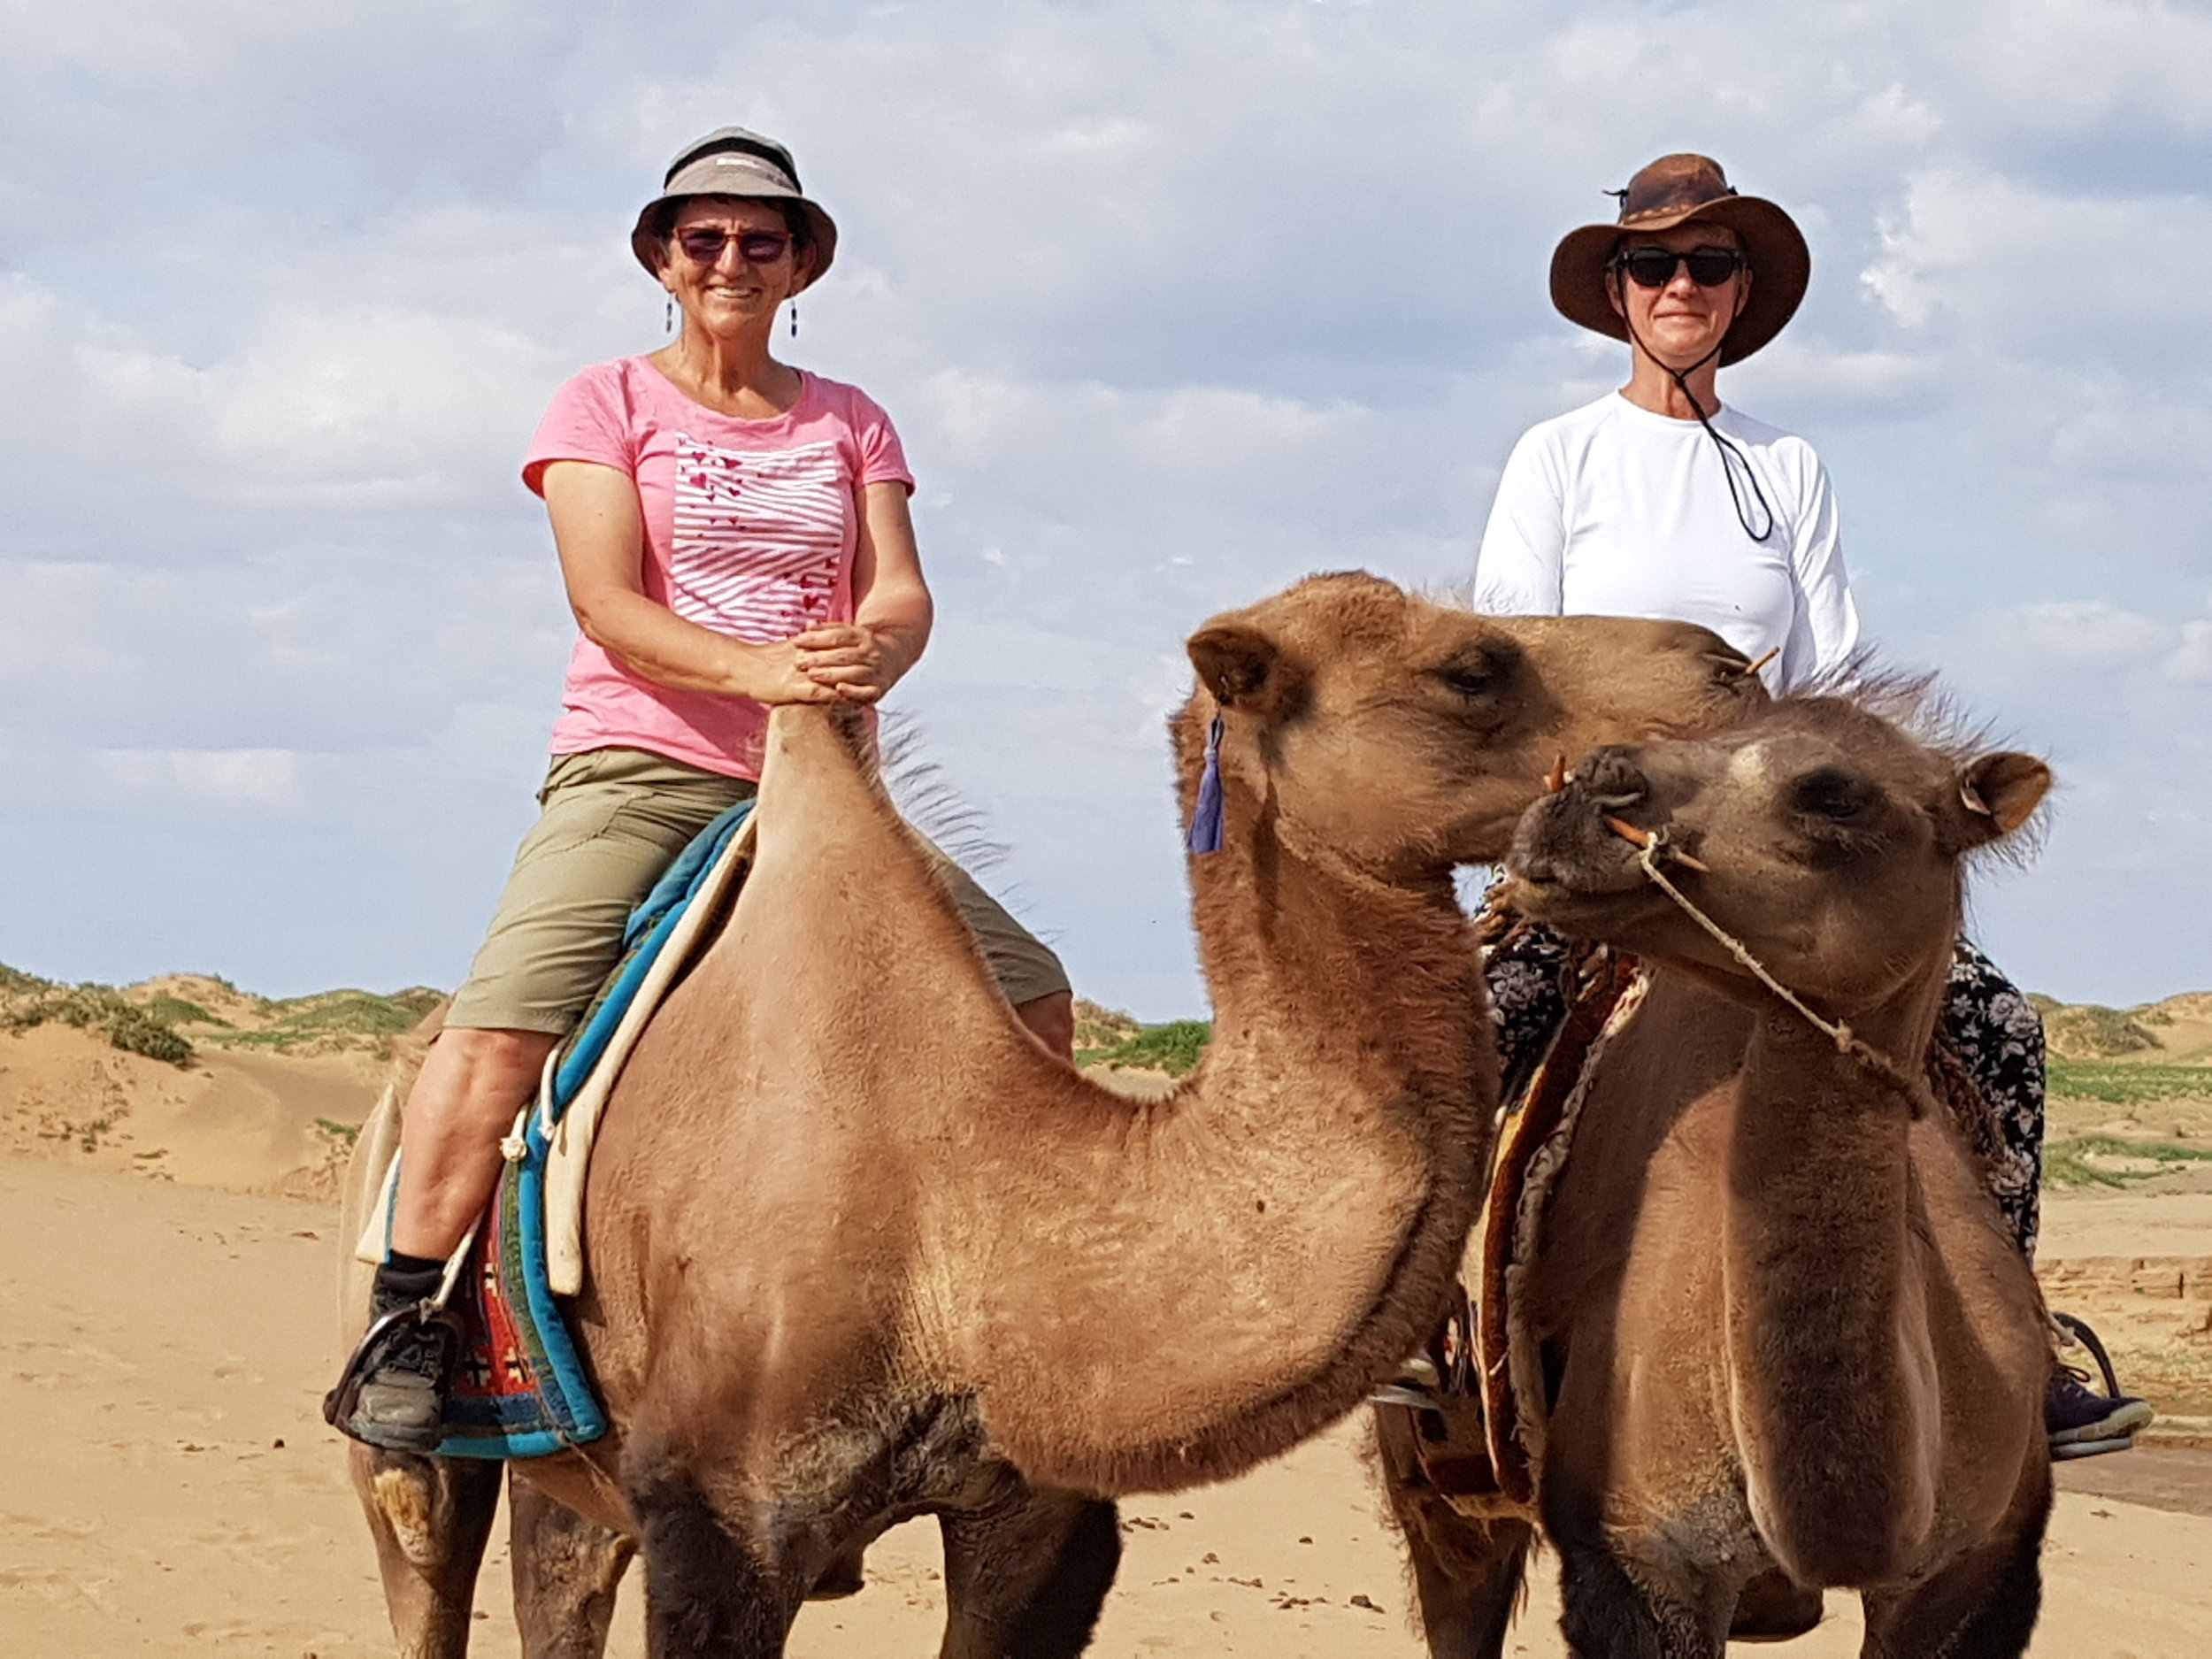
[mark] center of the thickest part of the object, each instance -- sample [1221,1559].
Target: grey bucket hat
[730,161]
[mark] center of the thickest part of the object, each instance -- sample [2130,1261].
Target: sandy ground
[164,1345]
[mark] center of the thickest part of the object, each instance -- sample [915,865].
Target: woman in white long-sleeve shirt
[1658,501]
[1616,510]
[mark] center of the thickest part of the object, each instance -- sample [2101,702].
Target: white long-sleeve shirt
[1611,509]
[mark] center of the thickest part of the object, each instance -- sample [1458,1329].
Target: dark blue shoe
[2083,1423]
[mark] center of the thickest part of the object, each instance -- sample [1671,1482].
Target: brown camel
[1787,1341]
[860,1250]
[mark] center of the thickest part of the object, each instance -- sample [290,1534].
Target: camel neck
[1828,1344]
[1391,970]
[1282,1228]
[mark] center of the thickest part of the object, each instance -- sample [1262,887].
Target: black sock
[405,1278]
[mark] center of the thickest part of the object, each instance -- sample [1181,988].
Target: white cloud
[362,406]
[259,777]
[2085,633]
[2192,658]
[2047,272]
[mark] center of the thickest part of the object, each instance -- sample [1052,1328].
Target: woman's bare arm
[892,610]
[601,535]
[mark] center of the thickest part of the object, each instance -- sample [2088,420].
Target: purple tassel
[1205,824]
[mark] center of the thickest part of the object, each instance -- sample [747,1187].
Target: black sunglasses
[704,243]
[1654,267]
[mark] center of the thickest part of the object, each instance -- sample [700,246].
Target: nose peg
[1654,842]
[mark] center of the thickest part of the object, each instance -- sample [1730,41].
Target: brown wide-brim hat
[1679,190]
[730,161]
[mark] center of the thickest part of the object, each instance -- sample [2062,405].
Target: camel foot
[845,1575]
[1774,1607]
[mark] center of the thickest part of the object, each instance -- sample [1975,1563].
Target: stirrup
[2069,1450]
[338,1403]
[2073,1332]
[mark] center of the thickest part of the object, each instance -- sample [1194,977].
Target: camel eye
[1834,796]
[1479,669]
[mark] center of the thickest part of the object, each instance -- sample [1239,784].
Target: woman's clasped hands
[846,659]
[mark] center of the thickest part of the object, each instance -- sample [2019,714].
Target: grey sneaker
[393,1392]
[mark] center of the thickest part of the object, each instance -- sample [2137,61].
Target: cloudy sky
[1173,300]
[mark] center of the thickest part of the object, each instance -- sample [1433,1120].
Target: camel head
[1404,736]
[1818,832]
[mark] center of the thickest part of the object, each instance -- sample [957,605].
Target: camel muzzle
[1581,839]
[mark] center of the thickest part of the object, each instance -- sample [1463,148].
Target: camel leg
[1774,1607]
[430,1516]
[846,1575]
[1614,1610]
[1467,1573]
[1468,1577]
[708,1589]
[1025,1576]
[1983,1606]
[566,1569]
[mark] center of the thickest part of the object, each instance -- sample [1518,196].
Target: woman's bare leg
[464,1100]
[1051,1020]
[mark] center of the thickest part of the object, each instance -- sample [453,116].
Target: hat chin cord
[1733,459]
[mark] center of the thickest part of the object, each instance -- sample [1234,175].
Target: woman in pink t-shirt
[733,535]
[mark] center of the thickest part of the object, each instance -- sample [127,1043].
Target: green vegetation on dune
[175,1011]
[325,1022]
[26,1001]
[2128,1084]
[329,1020]
[1098,1028]
[1174,1047]
[2073,1162]
[2088,1031]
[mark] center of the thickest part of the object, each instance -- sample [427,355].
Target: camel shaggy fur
[862,1250]
[1788,1343]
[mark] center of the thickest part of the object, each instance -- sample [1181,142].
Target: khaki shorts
[613,819]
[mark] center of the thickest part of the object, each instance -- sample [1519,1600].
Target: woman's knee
[1051,1020]
[476,1072]
[483,1049]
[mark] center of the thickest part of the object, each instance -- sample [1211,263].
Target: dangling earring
[669,324]
[795,319]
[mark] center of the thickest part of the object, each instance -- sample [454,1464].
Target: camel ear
[1241,667]
[1999,791]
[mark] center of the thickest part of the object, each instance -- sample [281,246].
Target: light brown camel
[1788,1342]
[862,1250]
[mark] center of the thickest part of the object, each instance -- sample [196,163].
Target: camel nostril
[1612,780]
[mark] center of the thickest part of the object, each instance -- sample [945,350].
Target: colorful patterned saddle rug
[522,1390]
[1479,1451]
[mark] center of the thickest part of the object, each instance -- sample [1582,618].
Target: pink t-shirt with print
[750,530]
